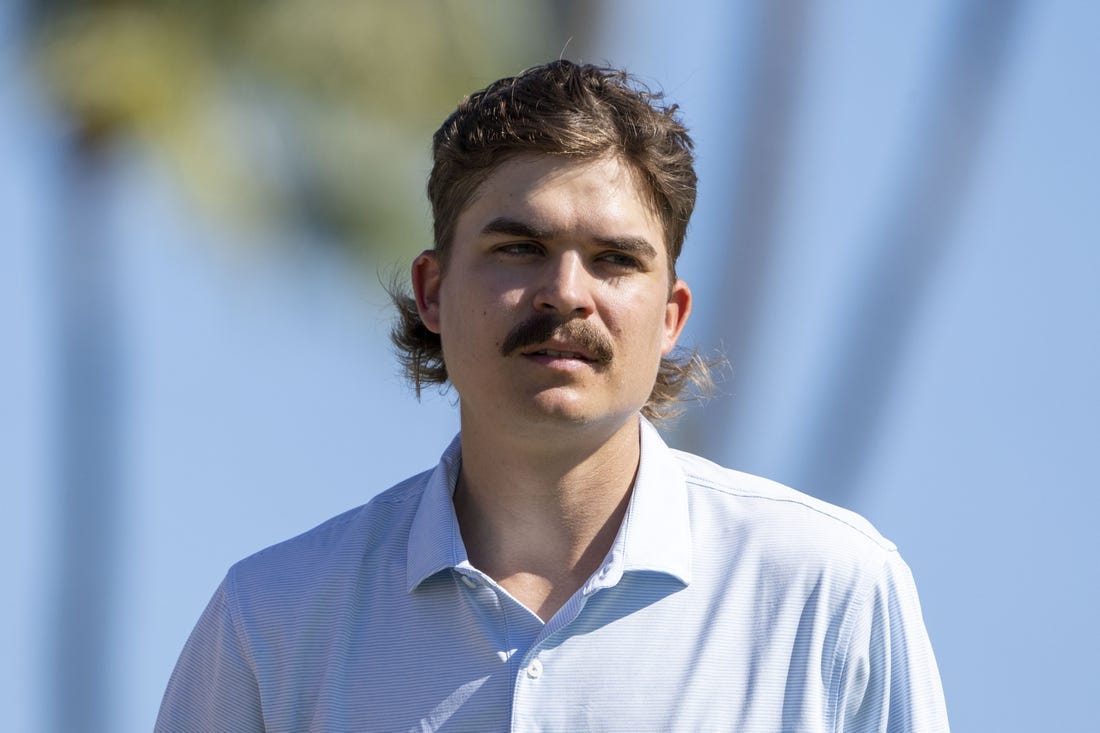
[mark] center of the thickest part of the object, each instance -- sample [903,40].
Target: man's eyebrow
[514,228]
[631,245]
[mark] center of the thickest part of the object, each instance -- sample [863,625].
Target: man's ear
[427,277]
[677,311]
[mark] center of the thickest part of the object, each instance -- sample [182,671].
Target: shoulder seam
[879,540]
[395,495]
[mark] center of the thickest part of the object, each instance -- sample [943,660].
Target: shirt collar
[655,535]
[656,532]
[435,542]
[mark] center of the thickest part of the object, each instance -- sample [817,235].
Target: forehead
[602,197]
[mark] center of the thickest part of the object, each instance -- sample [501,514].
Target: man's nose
[566,286]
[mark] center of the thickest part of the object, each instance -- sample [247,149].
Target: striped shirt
[727,602]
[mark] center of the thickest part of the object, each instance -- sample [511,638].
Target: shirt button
[534,669]
[470,582]
[604,571]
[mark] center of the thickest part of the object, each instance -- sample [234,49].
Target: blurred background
[897,245]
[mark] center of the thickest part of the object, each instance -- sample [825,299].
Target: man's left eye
[621,260]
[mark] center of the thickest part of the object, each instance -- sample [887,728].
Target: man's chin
[550,407]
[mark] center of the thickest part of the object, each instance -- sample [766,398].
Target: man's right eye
[519,249]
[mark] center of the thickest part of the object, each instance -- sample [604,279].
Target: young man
[561,568]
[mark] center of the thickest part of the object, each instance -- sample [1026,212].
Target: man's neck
[539,517]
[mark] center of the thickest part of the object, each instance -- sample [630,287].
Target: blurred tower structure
[907,239]
[908,243]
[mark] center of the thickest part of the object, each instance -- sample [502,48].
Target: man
[561,569]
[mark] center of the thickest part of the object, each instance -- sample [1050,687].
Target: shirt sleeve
[888,680]
[213,687]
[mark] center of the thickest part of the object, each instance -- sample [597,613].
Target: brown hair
[574,110]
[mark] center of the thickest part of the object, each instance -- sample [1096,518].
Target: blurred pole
[767,113]
[87,450]
[907,249]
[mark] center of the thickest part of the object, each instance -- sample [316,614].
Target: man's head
[577,115]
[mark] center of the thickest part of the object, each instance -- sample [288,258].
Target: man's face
[555,304]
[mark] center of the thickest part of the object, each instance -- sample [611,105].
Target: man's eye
[618,259]
[519,249]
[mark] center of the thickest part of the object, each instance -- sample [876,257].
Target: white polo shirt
[727,602]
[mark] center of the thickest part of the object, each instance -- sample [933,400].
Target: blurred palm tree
[311,113]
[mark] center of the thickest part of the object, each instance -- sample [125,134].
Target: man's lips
[558,354]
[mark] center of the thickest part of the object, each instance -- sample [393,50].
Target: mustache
[541,327]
